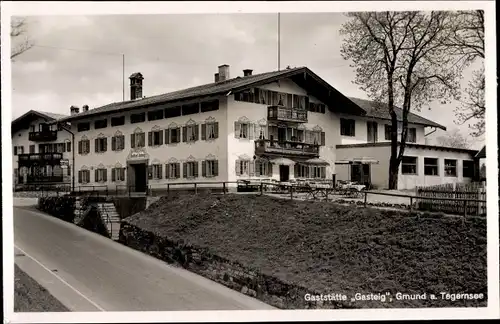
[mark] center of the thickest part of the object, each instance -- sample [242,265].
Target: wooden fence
[474,192]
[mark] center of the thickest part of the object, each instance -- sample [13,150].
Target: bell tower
[136,86]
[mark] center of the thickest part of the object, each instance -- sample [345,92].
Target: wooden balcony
[287,148]
[39,159]
[30,179]
[279,113]
[43,136]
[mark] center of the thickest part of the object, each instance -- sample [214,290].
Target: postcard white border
[93,8]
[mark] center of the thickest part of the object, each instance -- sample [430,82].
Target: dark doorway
[140,177]
[360,173]
[284,172]
[281,135]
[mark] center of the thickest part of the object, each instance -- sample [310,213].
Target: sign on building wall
[64,162]
[138,154]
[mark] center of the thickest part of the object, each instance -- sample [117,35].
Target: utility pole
[278,41]
[123,76]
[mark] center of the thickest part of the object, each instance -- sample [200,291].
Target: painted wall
[361,132]
[21,138]
[161,154]
[380,172]
[257,113]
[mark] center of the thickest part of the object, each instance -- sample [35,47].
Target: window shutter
[178,134]
[322,138]
[184,170]
[113,143]
[216,167]
[196,132]
[177,170]
[132,140]
[113,174]
[160,175]
[184,134]
[237,127]
[237,168]
[195,170]
[79,176]
[269,169]
[203,132]
[323,172]
[79,147]
[96,175]
[167,136]
[150,138]
[122,176]
[96,143]
[167,171]
[257,168]
[150,172]
[251,130]
[63,146]
[68,147]
[251,168]
[216,129]
[203,168]
[105,171]
[15,150]
[105,148]
[160,137]
[296,170]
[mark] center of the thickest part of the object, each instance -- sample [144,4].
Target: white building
[279,125]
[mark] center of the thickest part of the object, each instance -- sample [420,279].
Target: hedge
[60,207]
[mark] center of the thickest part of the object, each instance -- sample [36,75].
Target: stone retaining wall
[251,282]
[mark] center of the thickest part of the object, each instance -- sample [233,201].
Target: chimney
[74,110]
[85,108]
[224,72]
[247,72]
[216,77]
[136,86]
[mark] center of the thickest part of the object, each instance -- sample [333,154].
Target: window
[155,138]
[155,171]
[155,115]
[68,147]
[301,171]
[84,146]
[101,145]
[190,109]
[68,170]
[210,168]
[242,167]
[468,169]
[318,172]
[32,148]
[84,176]
[372,131]
[431,166]
[209,130]
[190,133]
[117,174]
[173,135]
[82,127]
[101,175]
[450,168]
[263,168]
[347,127]
[137,118]
[412,135]
[173,170]
[173,112]
[243,130]
[317,107]
[103,123]
[409,165]
[60,148]
[138,139]
[18,150]
[190,169]
[118,121]
[299,102]
[118,142]
[210,105]
[387,129]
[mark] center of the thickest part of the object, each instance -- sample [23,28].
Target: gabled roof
[34,114]
[380,111]
[301,75]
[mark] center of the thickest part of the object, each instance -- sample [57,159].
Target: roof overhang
[20,121]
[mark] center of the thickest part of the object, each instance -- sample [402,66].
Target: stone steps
[111,218]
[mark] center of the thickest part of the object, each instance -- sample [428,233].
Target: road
[88,272]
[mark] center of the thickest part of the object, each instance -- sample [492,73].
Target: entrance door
[140,177]
[284,173]
[360,173]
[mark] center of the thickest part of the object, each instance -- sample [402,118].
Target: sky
[77,60]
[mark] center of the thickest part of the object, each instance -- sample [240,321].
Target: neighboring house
[41,150]
[282,125]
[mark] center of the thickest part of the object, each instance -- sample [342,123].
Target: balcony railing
[46,135]
[280,113]
[286,148]
[40,158]
[42,178]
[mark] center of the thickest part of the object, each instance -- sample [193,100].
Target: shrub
[60,207]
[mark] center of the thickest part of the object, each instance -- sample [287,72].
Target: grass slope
[331,248]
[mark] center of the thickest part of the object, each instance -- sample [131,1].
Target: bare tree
[18,31]
[454,139]
[402,60]
[468,41]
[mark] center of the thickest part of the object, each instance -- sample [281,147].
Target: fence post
[168,189]
[291,192]
[261,188]
[411,203]
[195,189]
[366,197]
[224,187]
[465,208]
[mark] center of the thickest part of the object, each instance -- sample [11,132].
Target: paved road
[88,272]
